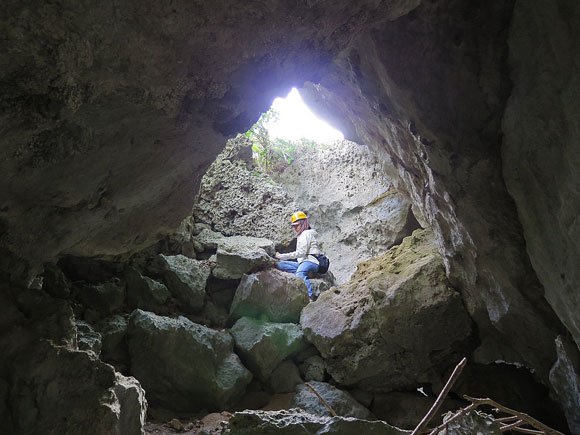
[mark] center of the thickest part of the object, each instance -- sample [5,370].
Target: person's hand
[277,255]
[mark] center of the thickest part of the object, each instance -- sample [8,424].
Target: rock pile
[225,330]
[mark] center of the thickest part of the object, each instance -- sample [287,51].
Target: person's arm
[301,248]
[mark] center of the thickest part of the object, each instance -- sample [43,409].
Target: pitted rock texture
[184,366]
[396,324]
[270,295]
[351,201]
[235,198]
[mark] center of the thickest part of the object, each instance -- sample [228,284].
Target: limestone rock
[144,292]
[184,366]
[87,338]
[114,350]
[313,368]
[104,298]
[566,381]
[351,201]
[270,294]
[207,239]
[133,405]
[298,422]
[378,330]
[474,422]
[285,377]
[185,278]
[340,401]
[239,255]
[237,200]
[263,345]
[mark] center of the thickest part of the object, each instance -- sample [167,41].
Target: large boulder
[185,278]
[238,255]
[298,422]
[144,292]
[133,405]
[397,324]
[271,295]
[340,401]
[184,366]
[263,345]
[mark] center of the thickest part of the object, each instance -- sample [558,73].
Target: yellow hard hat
[296,216]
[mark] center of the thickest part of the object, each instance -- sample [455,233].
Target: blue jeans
[301,270]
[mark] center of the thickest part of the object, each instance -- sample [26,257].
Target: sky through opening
[297,121]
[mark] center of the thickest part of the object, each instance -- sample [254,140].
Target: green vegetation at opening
[274,155]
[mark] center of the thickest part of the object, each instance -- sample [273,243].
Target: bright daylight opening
[287,130]
[295,121]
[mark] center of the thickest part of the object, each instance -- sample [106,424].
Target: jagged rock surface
[270,295]
[296,422]
[378,331]
[237,199]
[184,366]
[185,278]
[340,401]
[351,201]
[238,255]
[263,345]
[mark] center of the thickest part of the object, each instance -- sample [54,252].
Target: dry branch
[441,397]
[321,399]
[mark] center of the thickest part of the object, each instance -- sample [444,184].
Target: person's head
[299,221]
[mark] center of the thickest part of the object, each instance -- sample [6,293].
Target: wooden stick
[529,420]
[321,399]
[507,427]
[441,397]
[509,418]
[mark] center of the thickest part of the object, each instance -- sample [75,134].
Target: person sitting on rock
[306,248]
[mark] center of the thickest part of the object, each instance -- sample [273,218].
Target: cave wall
[110,114]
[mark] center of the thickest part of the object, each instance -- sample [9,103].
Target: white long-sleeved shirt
[306,245]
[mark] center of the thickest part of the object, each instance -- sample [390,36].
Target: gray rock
[313,368]
[114,349]
[182,365]
[239,255]
[270,294]
[356,210]
[263,345]
[566,381]
[104,298]
[377,331]
[87,338]
[144,292]
[298,422]
[185,278]
[233,198]
[474,422]
[133,405]
[207,240]
[285,378]
[340,401]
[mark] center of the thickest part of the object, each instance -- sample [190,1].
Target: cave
[113,112]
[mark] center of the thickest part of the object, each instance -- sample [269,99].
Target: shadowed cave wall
[111,113]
